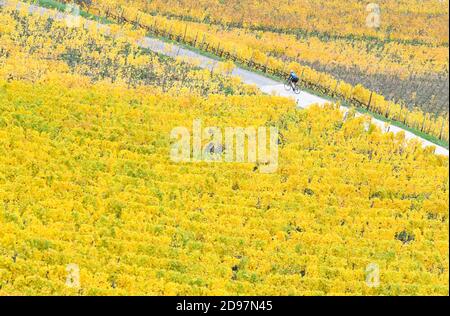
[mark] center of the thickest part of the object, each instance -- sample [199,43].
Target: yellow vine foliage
[393,57]
[86,180]
[234,47]
[33,49]
[403,20]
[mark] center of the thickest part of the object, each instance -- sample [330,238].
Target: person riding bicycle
[291,83]
[293,77]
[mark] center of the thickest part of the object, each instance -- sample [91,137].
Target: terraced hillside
[91,202]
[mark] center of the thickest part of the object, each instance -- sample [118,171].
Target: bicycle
[290,85]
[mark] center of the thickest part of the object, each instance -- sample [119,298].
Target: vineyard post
[203,41]
[196,37]
[138,19]
[336,88]
[250,61]
[234,55]
[442,129]
[430,126]
[351,99]
[121,18]
[185,32]
[386,114]
[370,100]
[423,123]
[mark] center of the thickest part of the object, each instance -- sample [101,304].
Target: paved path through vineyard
[304,99]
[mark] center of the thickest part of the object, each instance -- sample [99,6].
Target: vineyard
[34,49]
[87,185]
[379,60]
[402,81]
[94,185]
[413,21]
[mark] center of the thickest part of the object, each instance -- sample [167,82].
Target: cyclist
[293,78]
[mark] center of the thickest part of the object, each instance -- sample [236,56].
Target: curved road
[267,85]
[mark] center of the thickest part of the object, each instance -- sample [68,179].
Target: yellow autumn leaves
[402,20]
[34,48]
[403,60]
[86,179]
